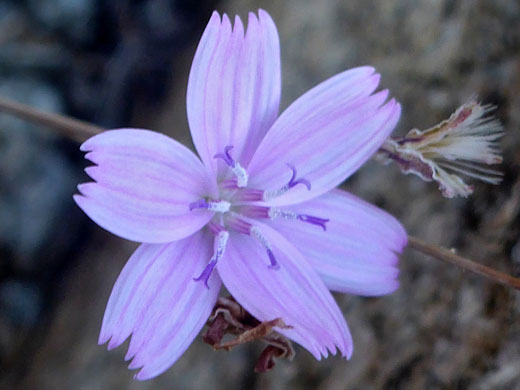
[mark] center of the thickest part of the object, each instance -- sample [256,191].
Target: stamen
[241,175]
[236,168]
[230,184]
[273,213]
[254,195]
[206,272]
[268,195]
[238,225]
[249,195]
[254,211]
[226,156]
[222,238]
[314,220]
[199,204]
[263,241]
[290,215]
[215,228]
[274,264]
[295,181]
[220,206]
[277,213]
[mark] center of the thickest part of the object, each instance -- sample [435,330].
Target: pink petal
[294,292]
[144,183]
[326,135]
[157,301]
[234,87]
[358,252]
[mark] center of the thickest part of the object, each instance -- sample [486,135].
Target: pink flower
[258,214]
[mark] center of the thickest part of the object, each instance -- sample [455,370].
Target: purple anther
[295,181]
[274,264]
[199,204]
[206,273]
[314,220]
[226,156]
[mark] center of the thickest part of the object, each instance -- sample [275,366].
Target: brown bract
[229,317]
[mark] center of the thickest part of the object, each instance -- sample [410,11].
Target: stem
[72,128]
[79,131]
[448,256]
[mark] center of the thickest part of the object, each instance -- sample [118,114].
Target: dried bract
[229,317]
[461,145]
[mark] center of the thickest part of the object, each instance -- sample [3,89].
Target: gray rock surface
[443,329]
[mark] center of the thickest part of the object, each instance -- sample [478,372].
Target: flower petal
[358,252]
[326,135]
[145,182]
[294,292]
[234,87]
[157,301]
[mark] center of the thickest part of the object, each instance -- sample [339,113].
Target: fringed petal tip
[156,303]
[262,15]
[294,292]
[358,252]
[323,353]
[327,134]
[143,182]
[103,338]
[135,219]
[234,87]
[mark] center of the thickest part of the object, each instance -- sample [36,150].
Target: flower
[461,144]
[259,213]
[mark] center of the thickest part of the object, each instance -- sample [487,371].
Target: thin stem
[72,128]
[448,256]
[79,131]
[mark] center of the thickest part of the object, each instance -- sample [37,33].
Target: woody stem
[448,256]
[79,131]
[70,127]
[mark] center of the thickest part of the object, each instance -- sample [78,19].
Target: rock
[21,304]
[74,18]
[443,328]
[36,178]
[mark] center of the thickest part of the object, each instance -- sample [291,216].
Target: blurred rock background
[126,63]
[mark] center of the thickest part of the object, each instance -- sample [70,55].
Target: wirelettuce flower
[462,144]
[258,214]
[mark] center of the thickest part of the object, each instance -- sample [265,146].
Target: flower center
[234,212]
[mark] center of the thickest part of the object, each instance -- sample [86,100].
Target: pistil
[255,195]
[255,232]
[273,213]
[268,195]
[220,206]
[222,239]
[240,226]
[238,170]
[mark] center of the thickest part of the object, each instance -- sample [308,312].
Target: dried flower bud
[462,144]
